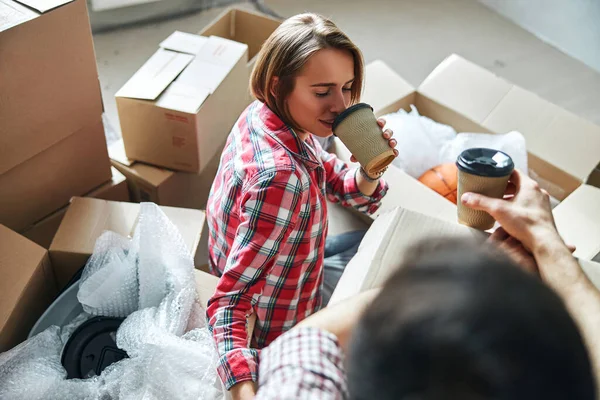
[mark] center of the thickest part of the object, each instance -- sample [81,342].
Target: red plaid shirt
[267,219]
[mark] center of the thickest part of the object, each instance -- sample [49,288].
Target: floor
[412,36]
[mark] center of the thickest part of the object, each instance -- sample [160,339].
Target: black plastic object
[485,162]
[344,114]
[92,348]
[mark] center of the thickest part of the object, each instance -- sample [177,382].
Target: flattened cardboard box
[43,232]
[44,183]
[561,146]
[384,246]
[162,186]
[50,85]
[27,286]
[179,107]
[86,219]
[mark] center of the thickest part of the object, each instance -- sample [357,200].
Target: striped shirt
[267,220]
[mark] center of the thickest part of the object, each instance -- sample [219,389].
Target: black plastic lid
[347,112]
[92,348]
[485,162]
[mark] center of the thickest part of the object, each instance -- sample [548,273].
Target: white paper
[184,42]
[44,5]
[203,75]
[13,14]
[221,51]
[155,75]
[116,151]
[181,97]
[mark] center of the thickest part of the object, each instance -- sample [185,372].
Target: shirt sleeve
[342,187]
[268,215]
[304,363]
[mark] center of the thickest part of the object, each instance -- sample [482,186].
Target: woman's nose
[339,102]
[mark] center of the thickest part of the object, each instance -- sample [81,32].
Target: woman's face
[322,90]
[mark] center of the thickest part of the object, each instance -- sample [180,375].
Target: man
[456,322]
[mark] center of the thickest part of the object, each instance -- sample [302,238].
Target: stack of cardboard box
[51,135]
[562,155]
[176,113]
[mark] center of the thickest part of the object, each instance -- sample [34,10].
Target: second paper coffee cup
[483,171]
[357,128]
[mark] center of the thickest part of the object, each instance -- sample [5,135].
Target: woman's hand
[387,135]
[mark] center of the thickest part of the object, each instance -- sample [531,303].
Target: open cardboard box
[162,186]
[43,231]
[27,286]
[87,218]
[561,146]
[48,72]
[383,248]
[243,26]
[179,107]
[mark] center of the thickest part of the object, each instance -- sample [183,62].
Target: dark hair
[465,323]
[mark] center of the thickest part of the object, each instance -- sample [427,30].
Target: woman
[267,212]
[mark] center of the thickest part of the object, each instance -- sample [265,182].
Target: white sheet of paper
[155,75]
[184,42]
[116,151]
[44,5]
[13,14]
[203,75]
[101,5]
[181,97]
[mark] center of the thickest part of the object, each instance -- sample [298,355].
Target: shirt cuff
[312,350]
[365,204]
[237,366]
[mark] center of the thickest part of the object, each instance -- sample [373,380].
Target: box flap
[155,75]
[184,42]
[578,221]
[19,258]
[387,240]
[44,5]
[182,97]
[383,86]
[212,64]
[87,218]
[465,87]
[13,14]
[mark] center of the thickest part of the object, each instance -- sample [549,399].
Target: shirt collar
[286,136]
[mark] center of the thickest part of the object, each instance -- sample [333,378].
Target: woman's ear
[274,87]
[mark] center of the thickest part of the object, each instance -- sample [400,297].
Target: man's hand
[243,391]
[526,215]
[514,249]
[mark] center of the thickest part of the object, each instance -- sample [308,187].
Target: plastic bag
[419,140]
[512,143]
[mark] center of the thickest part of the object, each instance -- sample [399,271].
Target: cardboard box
[43,231]
[162,186]
[382,250]
[50,85]
[243,26]
[46,182]
[27,286]
[179,107]
[86,219]
[578,221]
[561,146]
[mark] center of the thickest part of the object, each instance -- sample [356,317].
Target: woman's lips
[328,124]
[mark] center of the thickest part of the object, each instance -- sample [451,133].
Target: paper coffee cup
[483,171]
[357,128]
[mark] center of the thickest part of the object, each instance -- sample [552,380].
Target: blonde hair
[288,49]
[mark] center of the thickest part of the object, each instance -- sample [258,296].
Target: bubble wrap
[148,279]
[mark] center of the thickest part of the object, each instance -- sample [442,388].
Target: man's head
[458,322]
